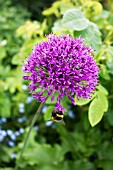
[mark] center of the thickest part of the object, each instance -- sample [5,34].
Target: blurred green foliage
[52,146]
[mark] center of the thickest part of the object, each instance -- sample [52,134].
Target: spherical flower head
[61,66]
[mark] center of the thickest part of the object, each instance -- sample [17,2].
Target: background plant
[48,148]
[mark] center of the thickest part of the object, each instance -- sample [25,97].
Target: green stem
[26,139]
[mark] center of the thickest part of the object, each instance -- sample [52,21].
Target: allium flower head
[61,65]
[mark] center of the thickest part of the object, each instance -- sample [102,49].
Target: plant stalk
[27,137]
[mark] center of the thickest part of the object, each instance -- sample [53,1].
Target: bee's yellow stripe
[53,118]
[61,116]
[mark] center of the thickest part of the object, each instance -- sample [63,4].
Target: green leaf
[105,164]
[53,9]
[110,66]
[11,84]
[74,19]
[110,19]
[105,154]
[79,164]
[109,61]
[47,115]
[5,107]
[102,89]
[50,167]
[16,60]
[95,112]
[39,154]
[103,100]
[6,153]
[104,72]
[91,35]
[2,53]
[57,26]
[82,101]
[93,8]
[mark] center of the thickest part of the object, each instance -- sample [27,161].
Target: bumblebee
[57,116]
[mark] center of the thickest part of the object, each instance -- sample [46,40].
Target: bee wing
[62,122]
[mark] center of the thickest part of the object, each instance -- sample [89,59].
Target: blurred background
[53,146]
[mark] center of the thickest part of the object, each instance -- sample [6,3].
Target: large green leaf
[103,99]
[102,89]
[95,112]
[91,35]
[74,19]
[82,101]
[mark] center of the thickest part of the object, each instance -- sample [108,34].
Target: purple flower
[62,66]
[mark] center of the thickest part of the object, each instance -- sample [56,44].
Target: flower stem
[26,139]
